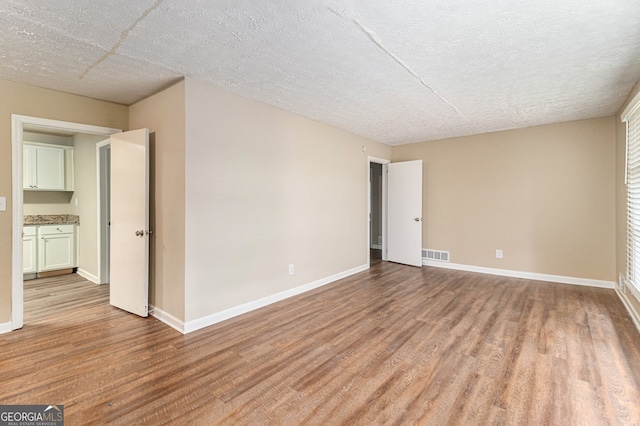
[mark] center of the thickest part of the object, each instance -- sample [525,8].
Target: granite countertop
[51,219]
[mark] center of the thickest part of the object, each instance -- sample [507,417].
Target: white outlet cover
[3,204]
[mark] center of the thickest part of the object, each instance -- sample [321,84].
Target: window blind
[633,199]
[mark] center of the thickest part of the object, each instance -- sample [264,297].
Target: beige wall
[164,115]
[544,195]
[47,202]
[621,196]
[267,188]
[86,196]
[22,99]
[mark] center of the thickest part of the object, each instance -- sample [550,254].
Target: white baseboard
[199,323]
[167,318]
[635,317]
[376,246]
[87,276]
[5,327]
[518,274]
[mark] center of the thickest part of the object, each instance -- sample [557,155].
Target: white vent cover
[439,255]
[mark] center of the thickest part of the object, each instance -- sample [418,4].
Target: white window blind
[633,199]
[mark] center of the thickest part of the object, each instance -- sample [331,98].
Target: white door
[129,251]
[404,212]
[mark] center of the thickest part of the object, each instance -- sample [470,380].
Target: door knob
[417,219]
[139,233]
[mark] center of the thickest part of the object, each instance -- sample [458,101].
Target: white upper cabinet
[47,167]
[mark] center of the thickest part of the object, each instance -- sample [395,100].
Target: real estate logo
[31,415]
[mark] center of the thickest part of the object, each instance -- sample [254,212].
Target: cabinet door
[55,252]
[28,167]
[49,168]
[29,251]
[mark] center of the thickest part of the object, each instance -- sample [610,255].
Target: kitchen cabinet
[56,247]
[29,250]
[47,167]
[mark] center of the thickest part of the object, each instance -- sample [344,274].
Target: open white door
[404,212]
[129,252]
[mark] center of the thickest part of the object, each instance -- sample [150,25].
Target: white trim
[378,160]
[631,107]
[383,218]
[87,275]
[17,290]
[635,317]
[17,125]
[5,327]
[519,274]
[167,318]
[203,322]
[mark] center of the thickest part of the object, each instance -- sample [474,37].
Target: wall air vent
[439,255]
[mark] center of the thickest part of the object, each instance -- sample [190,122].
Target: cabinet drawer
[55,229]
[29,231]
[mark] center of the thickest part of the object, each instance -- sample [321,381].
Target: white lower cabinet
[29,250]
[56,247]
[48,248]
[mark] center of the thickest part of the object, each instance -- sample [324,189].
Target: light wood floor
[60,295]
[391,345]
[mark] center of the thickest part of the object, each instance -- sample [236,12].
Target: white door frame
[102,209]
[383,218]
[17,126]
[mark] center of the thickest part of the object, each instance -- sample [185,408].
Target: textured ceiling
[395,72]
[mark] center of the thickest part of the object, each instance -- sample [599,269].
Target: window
[632,118]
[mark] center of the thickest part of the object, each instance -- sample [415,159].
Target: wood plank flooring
[391,345]
[60,295]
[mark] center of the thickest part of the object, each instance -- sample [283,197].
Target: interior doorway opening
[86,136]
[377,209]
[375,217]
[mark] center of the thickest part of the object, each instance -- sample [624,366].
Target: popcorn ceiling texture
[395,72]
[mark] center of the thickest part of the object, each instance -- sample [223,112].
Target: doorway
[103,161]
[375,217]
[377,212]
[20,125]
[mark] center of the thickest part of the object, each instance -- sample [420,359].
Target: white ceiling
[395,72]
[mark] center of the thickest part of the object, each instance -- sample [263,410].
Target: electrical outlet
[3,204]
[499,254]
[291,269]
